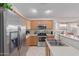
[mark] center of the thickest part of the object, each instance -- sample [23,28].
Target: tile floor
[22,51]
[29,51]
[36,51]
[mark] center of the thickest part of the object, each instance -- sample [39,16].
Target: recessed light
[34,10]
[48,11]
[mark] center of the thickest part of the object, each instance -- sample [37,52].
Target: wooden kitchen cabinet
[38,22]
[32,41]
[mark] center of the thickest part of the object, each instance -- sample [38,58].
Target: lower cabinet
[32,41]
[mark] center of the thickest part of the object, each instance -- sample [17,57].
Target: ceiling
[57,9]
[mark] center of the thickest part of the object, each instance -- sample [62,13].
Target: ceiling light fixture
[34,11]
[48,11]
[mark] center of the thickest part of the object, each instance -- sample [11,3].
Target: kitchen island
[65,50]
[70,40]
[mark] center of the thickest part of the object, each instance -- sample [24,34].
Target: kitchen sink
[56,43]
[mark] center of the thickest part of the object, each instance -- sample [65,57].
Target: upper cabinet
[33,24]
[46,23]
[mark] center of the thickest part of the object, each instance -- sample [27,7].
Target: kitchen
[54,44]
[47,30]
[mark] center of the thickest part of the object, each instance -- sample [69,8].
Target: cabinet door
[32,40]
[28,41]
[32,44]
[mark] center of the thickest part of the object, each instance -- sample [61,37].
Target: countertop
[70,40]
[30,35]
[27,36]
[36,35]
[70,36]
[62,50]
